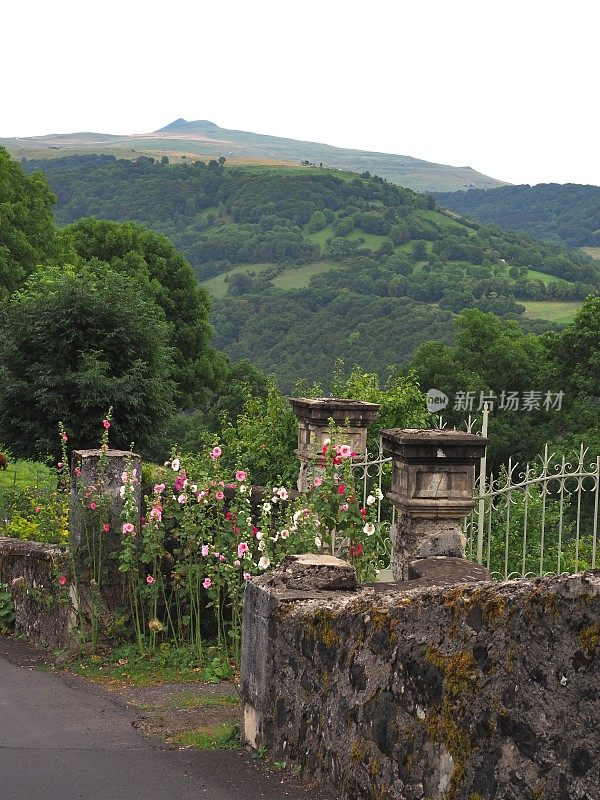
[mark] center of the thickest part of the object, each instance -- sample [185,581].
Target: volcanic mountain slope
[183,140]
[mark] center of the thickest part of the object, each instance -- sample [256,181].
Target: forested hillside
[569,213]
[308,266]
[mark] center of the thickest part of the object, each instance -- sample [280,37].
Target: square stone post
[314,416]
[100,473]
[432,490]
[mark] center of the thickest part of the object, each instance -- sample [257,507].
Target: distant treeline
[569,213]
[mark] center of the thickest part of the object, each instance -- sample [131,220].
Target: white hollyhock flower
[266,507]
[175,464]
[261,545]
[370,500]
[259,535]
[318,541]
[369,529]
[378,493]
[263,562]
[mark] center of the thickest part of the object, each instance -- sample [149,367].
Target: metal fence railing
[538,519]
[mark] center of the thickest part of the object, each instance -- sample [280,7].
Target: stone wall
[43,609]
[408,691]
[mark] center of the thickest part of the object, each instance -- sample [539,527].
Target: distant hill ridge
[567,213]
[199,138]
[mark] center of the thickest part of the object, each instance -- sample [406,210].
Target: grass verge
[225,736]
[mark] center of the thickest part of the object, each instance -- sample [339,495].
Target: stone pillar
[102,480]
[297,576]
[432,490]
[314,417]
[106,481]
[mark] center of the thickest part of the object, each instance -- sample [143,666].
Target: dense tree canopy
[74,342]
[164,275]
[566,213]
[28,236]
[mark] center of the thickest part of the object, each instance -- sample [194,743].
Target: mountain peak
[182,124]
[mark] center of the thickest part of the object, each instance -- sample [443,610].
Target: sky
[508,88]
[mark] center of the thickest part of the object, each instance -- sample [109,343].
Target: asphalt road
[63,739]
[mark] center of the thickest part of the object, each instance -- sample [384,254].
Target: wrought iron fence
[538,519]
[374,472]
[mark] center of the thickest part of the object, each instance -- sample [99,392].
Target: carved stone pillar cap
[110,453]
[319,410]
[433,446]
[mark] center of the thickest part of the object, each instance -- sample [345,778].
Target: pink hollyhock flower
[344,507]
[215,453]
[60,465]
[207,583]
[240,475]
[242,548]
[156,514]
[317,481]
[204,550]
[219,495]
[124,477]
[143,520]
[128,528]
[222,558]
[341,488]
[77,472]
[37,509]
[93,506]
[62,580]
[149,580]
[247,576]
[159,488]
[106,424]
[106,527]
[180,483]
[237,563]
[282,493]
[345,451]
[182,499]
[64,437]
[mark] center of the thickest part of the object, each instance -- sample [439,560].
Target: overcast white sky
[509,88]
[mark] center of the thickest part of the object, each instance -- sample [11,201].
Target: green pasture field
[372,240]
[217,286]
[557,311]
[534,274]
[21,474]
[299,277]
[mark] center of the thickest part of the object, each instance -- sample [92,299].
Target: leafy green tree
[164,275]
[74,342]
[28,236]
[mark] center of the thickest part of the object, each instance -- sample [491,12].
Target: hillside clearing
[217,286]
[553,311]
[299,277]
